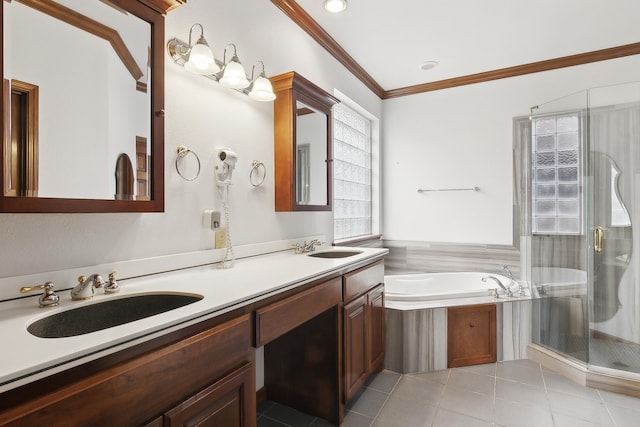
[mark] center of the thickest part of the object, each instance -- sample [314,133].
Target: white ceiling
[391,38]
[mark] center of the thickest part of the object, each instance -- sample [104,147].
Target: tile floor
[519,393]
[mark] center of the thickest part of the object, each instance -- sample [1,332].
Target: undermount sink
[334,254]
[107,314]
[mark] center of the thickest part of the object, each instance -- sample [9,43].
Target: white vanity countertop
[26,358]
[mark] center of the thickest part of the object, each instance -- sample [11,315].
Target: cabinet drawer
[360,281]
[280,317]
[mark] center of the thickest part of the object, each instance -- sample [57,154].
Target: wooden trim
[163,6]
[298,15]
[30,162]
[6,136]
[141,86]
[261,395]
[519,70]
[91,26]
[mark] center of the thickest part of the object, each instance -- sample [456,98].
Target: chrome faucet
[301,248]
[506,290]
[521,289]
[506,268]
[85,287]
[48,298]
[112,287]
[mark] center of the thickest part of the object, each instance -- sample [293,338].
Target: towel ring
[260,173]
[180,160]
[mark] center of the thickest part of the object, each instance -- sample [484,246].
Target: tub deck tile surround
[514,329]
[416,340]
[422,257]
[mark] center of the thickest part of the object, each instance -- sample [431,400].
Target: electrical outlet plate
[211,219]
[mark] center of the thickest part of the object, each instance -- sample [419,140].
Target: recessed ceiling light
[428,65]
[335,6]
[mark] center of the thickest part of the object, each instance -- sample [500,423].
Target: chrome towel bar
[425,190]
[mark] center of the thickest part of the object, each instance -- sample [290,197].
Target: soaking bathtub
[416,308]
[428,290]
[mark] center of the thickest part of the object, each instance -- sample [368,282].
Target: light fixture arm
[253,68]
[233,58]
[201,33]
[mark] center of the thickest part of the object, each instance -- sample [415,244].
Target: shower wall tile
[416,340]
[514,329]
[419,257]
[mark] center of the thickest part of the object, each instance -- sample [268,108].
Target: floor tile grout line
[495,386]
[606,407]
[444,389]
[277,420]
[373,420]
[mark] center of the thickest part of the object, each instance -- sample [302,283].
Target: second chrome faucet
[86,286]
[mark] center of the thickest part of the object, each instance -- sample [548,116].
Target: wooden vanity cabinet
[364,331]
[301,335]
[205,379]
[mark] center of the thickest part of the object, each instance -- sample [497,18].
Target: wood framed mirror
[303,137]
[83,83]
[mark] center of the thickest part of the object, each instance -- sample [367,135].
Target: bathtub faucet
[506,290]
[506,268]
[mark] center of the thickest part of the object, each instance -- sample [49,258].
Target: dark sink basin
[103,315]
[334,254]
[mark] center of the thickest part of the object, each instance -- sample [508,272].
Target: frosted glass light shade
[335,6]
[234,76]
[201,60]
[262,90]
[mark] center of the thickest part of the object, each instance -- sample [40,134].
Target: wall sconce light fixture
[233,74]
[261,89]
[199,59]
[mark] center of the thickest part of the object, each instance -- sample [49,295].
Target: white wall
[201,115]
[462,137]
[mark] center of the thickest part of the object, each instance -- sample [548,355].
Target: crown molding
[298,15]
[519,70]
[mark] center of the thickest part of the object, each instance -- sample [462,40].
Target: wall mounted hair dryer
[225,164]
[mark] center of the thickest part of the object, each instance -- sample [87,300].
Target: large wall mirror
[83,86]
[303,139]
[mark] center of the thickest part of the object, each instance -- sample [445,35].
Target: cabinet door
[355,345]
[376,330]
[224,403]
[471,335]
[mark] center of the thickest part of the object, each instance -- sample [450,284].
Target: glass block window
[351,174]
[556,175]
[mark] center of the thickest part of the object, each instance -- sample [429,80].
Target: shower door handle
[598,239]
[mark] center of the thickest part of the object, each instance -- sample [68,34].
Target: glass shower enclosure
[585,226]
